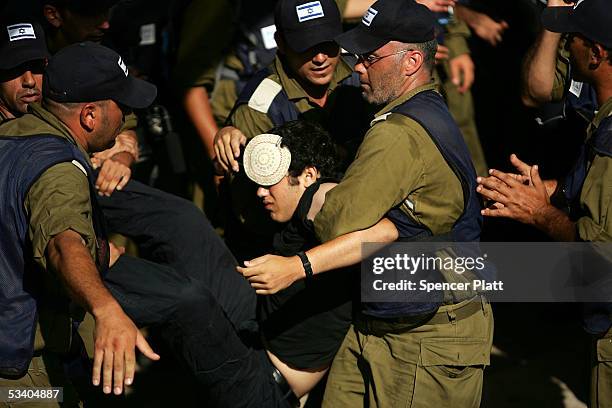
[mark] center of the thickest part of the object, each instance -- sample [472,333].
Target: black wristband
[306,264]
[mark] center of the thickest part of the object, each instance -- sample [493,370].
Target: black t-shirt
[305,324]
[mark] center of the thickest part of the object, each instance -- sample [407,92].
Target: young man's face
[21,86]
[316,65]
[282,199]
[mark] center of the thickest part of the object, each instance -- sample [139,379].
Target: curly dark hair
[310,145]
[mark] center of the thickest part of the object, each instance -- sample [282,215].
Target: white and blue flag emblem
[309,11]
[21,32]
[368,17]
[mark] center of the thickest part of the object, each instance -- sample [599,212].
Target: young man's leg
[232,373]
[172,231]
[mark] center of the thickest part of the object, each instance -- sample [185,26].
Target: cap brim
[299,41]
[137,94]
[21,56]
[360,40]
[559,20]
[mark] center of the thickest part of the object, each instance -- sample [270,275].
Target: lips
[30,98]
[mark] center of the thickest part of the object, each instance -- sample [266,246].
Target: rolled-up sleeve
[59,201]
[385,170]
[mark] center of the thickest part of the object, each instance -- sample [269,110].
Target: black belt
[379,327]
[288,394]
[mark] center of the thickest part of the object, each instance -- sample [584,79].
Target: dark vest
[347,125]
[23,160]
[429,110]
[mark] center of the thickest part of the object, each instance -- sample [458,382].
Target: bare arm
[197,106]
[270,273]
[115,335]
[484,26]
[539,69]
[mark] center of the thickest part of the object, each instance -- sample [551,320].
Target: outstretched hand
[116,338]
[269,274]
[522,197]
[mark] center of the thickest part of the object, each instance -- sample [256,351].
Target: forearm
[126,142]
[124,158]
[466,14]
[68,256]
[556,224]
[346,250]
[197,106]
[539,69]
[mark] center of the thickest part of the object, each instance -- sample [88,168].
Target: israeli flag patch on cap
[21,32]
[368,17]
[309,11]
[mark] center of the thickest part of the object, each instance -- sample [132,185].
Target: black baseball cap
[306,23]
[389,20]
[83,7]
[21,42]
[591,18]
[88,72]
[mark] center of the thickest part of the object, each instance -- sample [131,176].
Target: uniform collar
[60,128]
[604,111]
[389,107]
[293,88]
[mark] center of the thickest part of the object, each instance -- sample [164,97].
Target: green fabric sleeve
[374,183]
[58,201]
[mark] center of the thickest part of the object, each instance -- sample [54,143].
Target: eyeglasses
[370,59]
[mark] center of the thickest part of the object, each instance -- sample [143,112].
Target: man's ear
[412,62]
[310,175]
[598,55]
[52,15]
[88,116]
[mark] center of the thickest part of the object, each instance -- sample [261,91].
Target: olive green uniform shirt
[596,194]
[254,122]
[58,201]
[397,163]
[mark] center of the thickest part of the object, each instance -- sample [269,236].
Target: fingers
[441,53]
[455,71]
[107,371]
[257,261]
[249,272]
[145,348]
[118,369]
[502,212]
[97,366]
[468,75]
[520,165]
[130,368]
[538,184]
[113,176]
[236,142]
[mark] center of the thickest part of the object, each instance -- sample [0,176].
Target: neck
[316,93]
[603,88]
[415,81]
